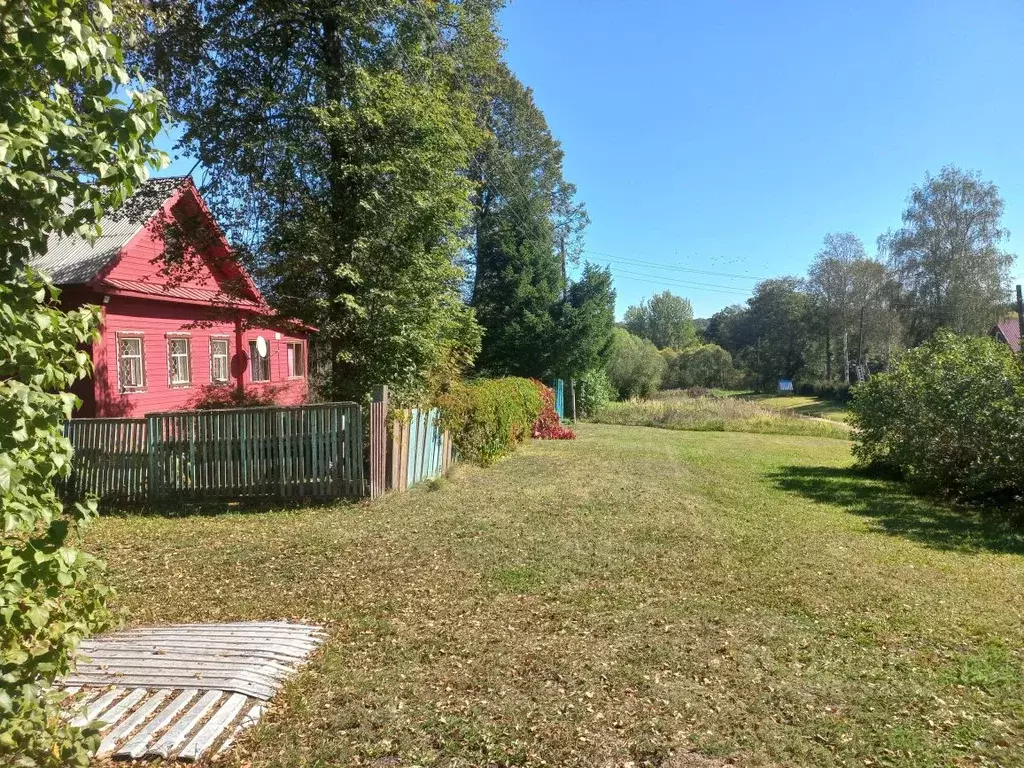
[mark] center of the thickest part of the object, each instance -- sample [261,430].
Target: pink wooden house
[173,327]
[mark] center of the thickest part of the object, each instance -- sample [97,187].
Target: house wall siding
[156,319]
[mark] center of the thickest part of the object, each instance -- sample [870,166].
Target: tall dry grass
[716,414]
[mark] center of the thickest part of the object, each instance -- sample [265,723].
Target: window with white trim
[296,360]
[179,361]
[131,367]
[220,351]
[259,366]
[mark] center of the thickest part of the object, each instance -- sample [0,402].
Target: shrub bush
[705,366]
[488,418]
[949,416]
[593,392]
[213,397]
[548,426]
[635,366]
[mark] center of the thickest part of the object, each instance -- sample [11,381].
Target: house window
[296,360]
[131,368]
[178,362]
[259,367]
[219,352]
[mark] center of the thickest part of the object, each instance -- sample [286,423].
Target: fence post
[154,480]
[378,442]
[278,421]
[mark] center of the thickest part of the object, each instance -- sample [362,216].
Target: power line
[688,283]
[672,283]
[674,267]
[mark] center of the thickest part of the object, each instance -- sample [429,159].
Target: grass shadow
[215,507]
[896,511]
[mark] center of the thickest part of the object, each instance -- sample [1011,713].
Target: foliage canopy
[70,145]
[336,136]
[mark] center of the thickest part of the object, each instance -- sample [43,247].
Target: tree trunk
[846,356]
[828,354]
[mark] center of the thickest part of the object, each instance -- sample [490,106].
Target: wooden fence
[303,452]
[111,459]
[419,450]
[558,385]
[406,446]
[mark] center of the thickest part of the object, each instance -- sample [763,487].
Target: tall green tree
[586,323]
[831,281]
[665,319]
[70,146]
[526,225]
[634,365]
[336,137]
[947,255]
[728,328]
[778,327]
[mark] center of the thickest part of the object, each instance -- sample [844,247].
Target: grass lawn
[674,409]
[803,406]
[636,597]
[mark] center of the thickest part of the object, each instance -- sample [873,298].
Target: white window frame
[140,337]
[290,359]
[171,339]
[253,357]
[226,341]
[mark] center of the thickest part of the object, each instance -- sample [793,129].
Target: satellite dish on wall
[261,346]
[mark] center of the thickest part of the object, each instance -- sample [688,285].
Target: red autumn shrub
[548,426]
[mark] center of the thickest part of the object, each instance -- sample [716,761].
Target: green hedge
[488,418]
[948,417]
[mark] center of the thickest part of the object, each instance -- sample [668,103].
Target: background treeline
[944,269]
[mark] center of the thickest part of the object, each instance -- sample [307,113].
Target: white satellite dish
[261,346]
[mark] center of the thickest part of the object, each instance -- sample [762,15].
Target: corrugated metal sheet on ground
[184,691]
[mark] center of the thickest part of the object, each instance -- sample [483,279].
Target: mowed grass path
[638,596]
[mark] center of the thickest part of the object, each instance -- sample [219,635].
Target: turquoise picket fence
[558,385]
[420,450]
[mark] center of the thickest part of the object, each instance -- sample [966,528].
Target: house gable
[180,254]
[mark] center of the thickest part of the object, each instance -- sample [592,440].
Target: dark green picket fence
[302,452]
[111,459]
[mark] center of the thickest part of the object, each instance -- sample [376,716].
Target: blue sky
[730,137]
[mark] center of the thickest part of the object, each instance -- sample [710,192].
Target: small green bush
[705,366]
[488,418]
[635,367]
[948,416]
[215,397]
[593,392]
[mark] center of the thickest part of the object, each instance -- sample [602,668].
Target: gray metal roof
[71,259]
